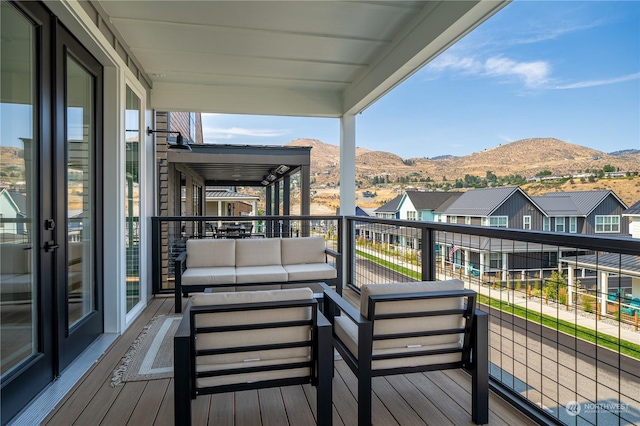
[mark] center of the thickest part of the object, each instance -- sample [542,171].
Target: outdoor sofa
[249,264]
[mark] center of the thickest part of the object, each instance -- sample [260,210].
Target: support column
[635,286]
[604,291]
[570,284]
[505,259]
[305,191]
[348,165]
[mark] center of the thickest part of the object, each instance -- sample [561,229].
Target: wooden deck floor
[434,398]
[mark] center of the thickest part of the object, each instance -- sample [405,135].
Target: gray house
[584,212]
[506,207]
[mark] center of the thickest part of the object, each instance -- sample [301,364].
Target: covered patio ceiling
[291,58]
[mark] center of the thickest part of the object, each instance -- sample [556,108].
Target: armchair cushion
[244,338]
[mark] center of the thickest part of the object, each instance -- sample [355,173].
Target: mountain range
[526,157]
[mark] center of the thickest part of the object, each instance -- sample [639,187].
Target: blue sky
[563,69]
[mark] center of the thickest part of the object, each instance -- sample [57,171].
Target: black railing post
[156,267]
[428,255]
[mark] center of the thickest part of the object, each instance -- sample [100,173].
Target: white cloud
[232,132]
[533,74]
[593,83]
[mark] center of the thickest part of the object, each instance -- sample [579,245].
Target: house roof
[634,210]
[298,58]
[229,195]
[435,201]
[625,264]
[582,202]
[390,207]
[482,202]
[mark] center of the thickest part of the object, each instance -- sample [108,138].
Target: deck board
[434,398]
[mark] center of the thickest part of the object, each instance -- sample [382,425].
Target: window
[495,260]
[610,223]
[546,224]
[467,220]
[453,219]
[526,222]
[412,215]
[499,221]
[560,224]
[573,224]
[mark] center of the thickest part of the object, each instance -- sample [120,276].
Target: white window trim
[573,224]
[610,223]
[546,224]
[560,223]
[526,222]
[499,219]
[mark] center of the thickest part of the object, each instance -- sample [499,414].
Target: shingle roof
[435,201]
[391,206]
[480,202]
[584,201]
[633,210]
[230,194]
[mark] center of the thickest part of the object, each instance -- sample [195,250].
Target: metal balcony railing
[564,342]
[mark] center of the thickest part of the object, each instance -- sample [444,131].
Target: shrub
[587,302]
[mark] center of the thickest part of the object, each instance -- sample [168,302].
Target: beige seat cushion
[303,250]
[260,274]
[258,252]
[252,337]
[209,276]
[310,271]
[209,252]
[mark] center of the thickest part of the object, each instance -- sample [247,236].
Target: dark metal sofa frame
[180,264]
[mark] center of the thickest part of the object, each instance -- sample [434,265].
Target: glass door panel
[80,191]
[132,200]
[18,191]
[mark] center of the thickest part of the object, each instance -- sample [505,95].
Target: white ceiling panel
[309,58]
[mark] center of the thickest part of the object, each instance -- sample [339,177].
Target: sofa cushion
[310,271]
[205,276]
[303,250]
[15,258]
[258,252]
[209,252]
[260,274]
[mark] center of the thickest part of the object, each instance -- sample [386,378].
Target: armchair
[411,327]
[237,341]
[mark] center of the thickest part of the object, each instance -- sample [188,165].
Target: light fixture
[271,177]
[282,169]
[179,140]
[265,182]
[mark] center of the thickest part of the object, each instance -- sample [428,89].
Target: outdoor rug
[151,354]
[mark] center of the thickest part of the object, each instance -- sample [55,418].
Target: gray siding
[516,207]
[609,206]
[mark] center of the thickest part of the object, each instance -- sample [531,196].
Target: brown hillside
[526,157]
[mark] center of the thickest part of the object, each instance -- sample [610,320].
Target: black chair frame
[474,349]
[320,365]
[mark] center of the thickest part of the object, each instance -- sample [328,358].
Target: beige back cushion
[252,337]
[382,327]
[208,252]
[258,252]
[15,258]
[303,250]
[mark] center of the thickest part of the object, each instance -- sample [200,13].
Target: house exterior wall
[515,208]
[405,206]
[609,206]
